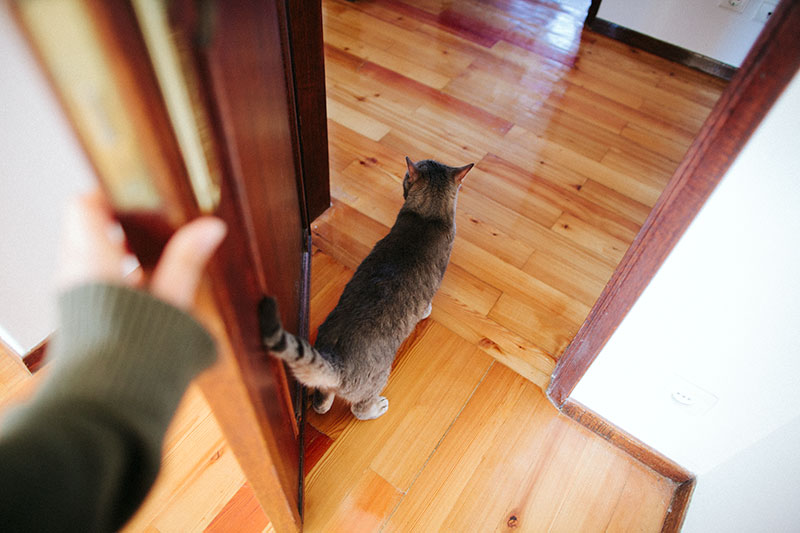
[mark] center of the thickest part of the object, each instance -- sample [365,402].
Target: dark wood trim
[592,14]
[676,513]
[769,67]
[35,358]
[658,47]
[308,69]
[626,442]
[242,65]
[300,390]
[303,325]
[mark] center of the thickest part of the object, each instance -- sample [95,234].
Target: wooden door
[201,106]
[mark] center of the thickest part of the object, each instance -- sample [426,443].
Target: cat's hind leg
[371,408]
[323,400]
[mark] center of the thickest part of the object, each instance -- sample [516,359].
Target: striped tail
[308,365]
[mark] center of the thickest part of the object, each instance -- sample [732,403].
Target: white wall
[723,313]
[41,165]
[761,483]
[697,25]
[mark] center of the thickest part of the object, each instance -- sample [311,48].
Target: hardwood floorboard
[603,196]
[242,514]
[591,237]
[199,474]
[397,445]
[13,373]
[504,345]
[511,443]
[526,317]
[558,272]
[523,192]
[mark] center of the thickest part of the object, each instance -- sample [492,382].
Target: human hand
[93,250]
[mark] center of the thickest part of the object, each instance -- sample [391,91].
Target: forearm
[88,446]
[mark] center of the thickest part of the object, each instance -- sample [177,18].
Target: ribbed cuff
[123,347]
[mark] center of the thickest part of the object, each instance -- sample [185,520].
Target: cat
[390,292]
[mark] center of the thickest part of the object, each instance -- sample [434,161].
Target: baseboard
[35,358]
[676,513]
[662,48]
[683,479]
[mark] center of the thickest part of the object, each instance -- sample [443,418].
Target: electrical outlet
[733,5]
[690,398]
[765,11]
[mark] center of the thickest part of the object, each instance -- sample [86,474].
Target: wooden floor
[573,136]
[467,445]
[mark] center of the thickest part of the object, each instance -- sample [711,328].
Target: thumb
[181,266]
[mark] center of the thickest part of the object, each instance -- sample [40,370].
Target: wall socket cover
[689,398]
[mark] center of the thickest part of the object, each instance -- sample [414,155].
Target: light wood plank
[385,59]
[514,281]
[556,272]
[591,237]
[420,412]
[350,118]
[521,195]
[585,508]
[366,506]
[510,462]
[672,146]
[13,372]
[198,472]
[628,184]
[549,330]
[601,195]
[643,503]
[507,181]
[242,514]
[510,349]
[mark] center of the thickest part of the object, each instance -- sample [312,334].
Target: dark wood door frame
[592,13]
[771,64]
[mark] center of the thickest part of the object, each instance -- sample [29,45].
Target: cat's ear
[460,172]
[413,171]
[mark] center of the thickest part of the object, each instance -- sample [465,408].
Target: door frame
[768,68]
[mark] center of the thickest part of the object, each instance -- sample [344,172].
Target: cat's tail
[309,366]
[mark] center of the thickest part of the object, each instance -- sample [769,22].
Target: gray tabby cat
[389,293]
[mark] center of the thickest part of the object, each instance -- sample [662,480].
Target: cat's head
[432,180]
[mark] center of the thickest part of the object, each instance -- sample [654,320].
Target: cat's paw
[427,312]
[383,406]
[322,402]
[370,409]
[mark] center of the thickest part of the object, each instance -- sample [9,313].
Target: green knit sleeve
[83,453]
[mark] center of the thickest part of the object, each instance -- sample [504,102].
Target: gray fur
[389,293]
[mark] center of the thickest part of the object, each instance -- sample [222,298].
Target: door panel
[250,95]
